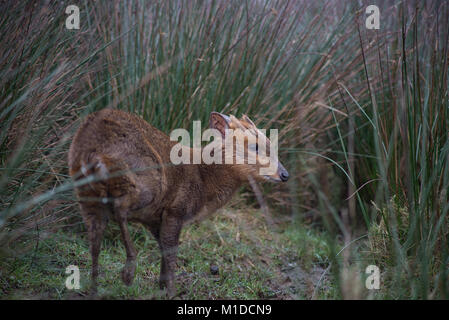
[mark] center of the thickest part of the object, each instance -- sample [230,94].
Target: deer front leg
[168,242]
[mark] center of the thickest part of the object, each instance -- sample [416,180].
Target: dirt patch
[304,284]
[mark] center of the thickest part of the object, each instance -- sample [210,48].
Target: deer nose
[284,175]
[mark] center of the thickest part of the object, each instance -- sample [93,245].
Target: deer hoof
[169,288]
[128,273]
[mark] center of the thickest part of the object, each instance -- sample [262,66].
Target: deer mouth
[271,179]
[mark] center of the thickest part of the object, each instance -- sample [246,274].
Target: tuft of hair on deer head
[248,148]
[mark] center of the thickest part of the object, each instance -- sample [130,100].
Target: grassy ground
[255,260]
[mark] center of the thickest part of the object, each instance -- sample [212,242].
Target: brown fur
[136,182]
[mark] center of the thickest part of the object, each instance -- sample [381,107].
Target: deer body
[138,183]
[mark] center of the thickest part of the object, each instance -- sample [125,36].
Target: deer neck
[220,183]
[215,183]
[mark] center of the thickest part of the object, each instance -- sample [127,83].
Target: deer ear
[220,122]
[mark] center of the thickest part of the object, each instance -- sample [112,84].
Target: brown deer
[136,182]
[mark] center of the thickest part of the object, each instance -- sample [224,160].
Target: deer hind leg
[121,213]
[95,217]
[169,242]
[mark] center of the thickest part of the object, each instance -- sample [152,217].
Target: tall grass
[362,114]
[402,128]
[412,150]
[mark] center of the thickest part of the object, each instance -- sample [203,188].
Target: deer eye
[254,147]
